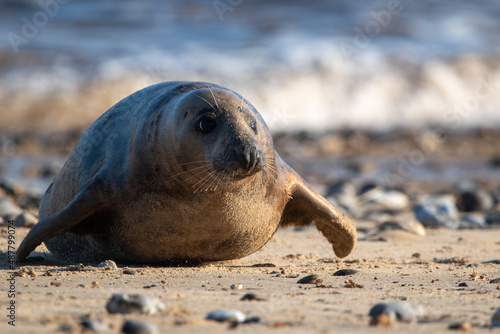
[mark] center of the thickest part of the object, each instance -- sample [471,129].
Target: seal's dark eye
[205,124]
[253,125]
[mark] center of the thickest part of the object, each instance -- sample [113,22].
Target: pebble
[251,297]
[343,194]
[224,315]
[400,311]
[386,199]
[438,212]
[129,272]
[94,325]
[108,265]
[345,272]
[134,303]
[26,219]
[496,261]
[472,221]
[460,326]
[237,286]
[139,327]
[493,218]
[9,208]
[471,197]
[12,188]
[311,279]
[254,320]
[495,319]
[411,226]
[495,281]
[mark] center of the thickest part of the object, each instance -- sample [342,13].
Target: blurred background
[390,91]
[305,65]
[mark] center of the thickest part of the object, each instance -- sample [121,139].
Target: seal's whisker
[187,171]
[212,177]
[207,102]
[272,170]
[202,182]
[194,175]
[213,95]
[222,177]
[215,176]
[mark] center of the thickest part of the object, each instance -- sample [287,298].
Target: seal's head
[223,137]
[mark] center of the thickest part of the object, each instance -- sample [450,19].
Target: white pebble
[226,315]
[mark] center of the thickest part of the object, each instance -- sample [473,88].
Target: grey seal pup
[177,172]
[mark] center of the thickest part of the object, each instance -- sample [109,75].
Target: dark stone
[139,327]
[472,197]
[345,272]
[493,218]
[311,279]
[251,297]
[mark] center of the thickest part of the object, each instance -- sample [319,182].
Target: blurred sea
[305,65]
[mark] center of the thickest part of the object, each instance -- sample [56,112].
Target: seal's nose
[248,160]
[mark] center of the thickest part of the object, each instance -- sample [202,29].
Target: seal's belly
[197,232]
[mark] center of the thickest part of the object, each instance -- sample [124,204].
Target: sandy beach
[428,271]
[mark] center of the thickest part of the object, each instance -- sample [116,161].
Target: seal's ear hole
[206,124]
[185,114]
[253,125]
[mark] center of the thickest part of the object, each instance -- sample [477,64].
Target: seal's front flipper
[305,206]
[87,202]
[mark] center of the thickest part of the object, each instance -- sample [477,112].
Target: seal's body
[179,171]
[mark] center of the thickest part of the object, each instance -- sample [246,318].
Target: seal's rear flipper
[305,206]
[87,202]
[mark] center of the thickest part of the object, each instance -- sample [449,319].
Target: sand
[425,271]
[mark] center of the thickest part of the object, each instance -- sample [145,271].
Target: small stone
[472,221]
[495,281]
[495,319]
[139,327]
[12,188]
[26,219]
[56,284]
[226,316]
[401,311]
[96,284]
[252,296]
[237,286]
[253,320]
[9,208]
[411,226]
[496,261]
[471,197]
[94,325]
[345,272]
[460,326]
[438,212]
[134,303]
[493,218]
[386,199]
[108,265]
[311,279]
[129,272]
[463,284]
